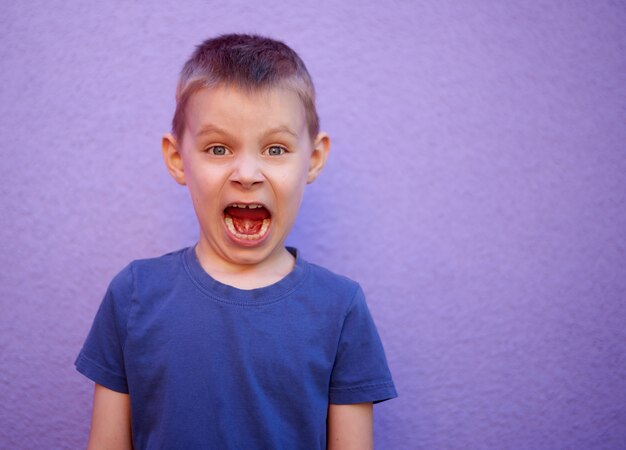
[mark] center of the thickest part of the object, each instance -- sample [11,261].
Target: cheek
[295,191]
[206,180]
[298,173]
[202,192]
[293,182]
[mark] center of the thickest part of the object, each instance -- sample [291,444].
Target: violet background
[476,188]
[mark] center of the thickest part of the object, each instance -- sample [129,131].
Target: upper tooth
[241,205]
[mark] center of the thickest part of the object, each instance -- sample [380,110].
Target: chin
[249,255]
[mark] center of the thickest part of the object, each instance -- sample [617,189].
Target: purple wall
[476,188]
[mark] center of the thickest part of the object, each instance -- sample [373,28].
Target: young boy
[237,342]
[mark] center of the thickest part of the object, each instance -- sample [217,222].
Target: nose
[247,171]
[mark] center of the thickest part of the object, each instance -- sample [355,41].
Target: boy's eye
[218,150]
[275,150]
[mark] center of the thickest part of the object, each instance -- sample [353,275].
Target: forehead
[242,111]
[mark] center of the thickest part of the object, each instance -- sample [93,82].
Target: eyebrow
[281,129]
[211,128]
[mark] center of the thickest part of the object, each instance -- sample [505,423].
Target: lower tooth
[231,227]
[265,226]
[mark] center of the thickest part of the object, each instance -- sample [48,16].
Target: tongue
[246,220]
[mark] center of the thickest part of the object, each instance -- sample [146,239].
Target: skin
[110,421]
[247,128]
[349,427]
[241,147]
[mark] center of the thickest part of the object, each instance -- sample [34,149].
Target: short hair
[249,62]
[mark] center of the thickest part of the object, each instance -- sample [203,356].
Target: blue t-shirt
[210,366]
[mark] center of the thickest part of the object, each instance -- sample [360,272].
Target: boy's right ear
[173,158]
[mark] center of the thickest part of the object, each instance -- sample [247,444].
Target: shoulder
[147,272]
[158,269]
[328,279]
[159,263]
[332,286]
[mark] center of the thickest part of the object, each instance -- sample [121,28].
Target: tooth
[230,225]
[266,224]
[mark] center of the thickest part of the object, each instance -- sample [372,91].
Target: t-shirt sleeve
[102,356]
[360,373]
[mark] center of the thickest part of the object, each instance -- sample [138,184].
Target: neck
[247,276]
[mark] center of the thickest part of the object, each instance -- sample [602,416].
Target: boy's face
[245,158]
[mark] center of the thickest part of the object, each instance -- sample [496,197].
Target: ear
[173,158]
[321,147]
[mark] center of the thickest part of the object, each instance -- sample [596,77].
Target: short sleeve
[102,356]
[360,373]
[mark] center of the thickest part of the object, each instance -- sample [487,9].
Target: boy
[237,342]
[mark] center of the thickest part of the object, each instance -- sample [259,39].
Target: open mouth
[248,222]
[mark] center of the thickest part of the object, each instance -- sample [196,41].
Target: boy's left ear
[321,147]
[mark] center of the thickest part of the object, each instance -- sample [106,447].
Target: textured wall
[476,188]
